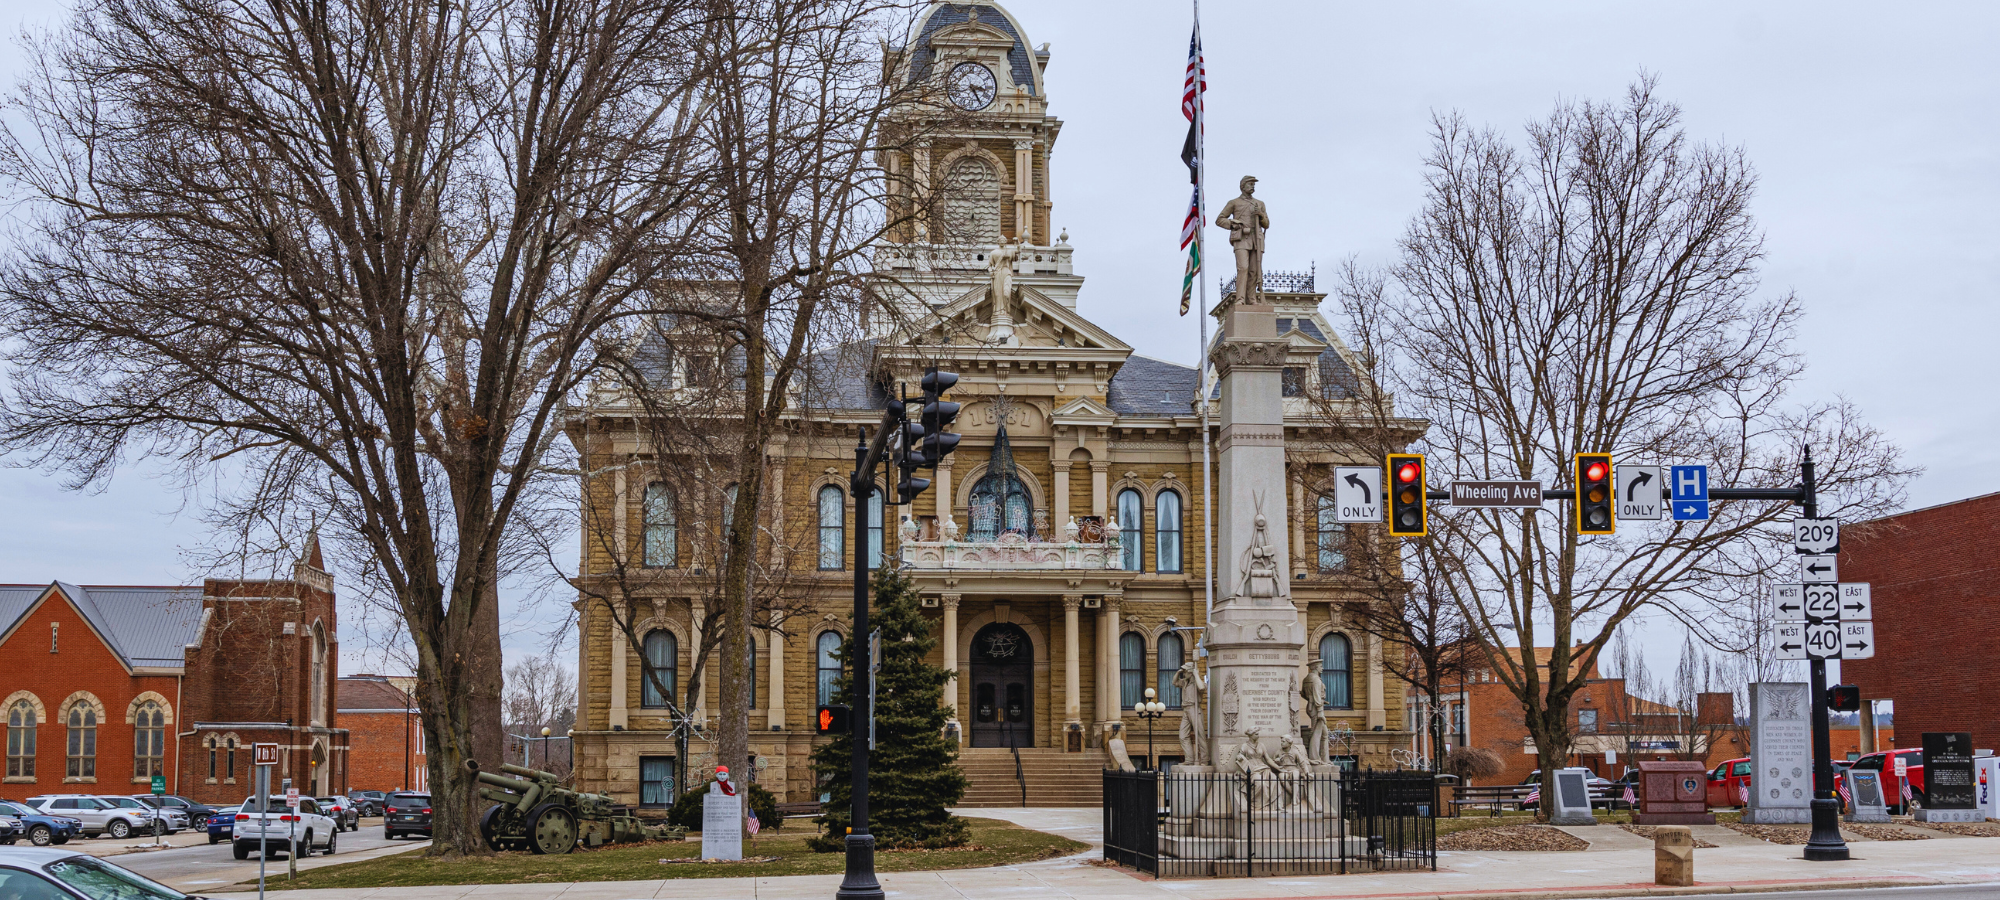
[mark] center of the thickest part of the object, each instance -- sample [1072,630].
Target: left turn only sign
[1357,494]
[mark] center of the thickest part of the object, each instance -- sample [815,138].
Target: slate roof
[957,14]
[147,626]
[1145,386]
[837,378]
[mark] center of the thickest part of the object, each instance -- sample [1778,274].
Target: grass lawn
[995,842]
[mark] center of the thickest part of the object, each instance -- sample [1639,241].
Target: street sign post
[1638,490]
[1357,494]
[1817,569]
[1857,640]
[1816,535]
[1788,602]
[1497,494]
[1690,493]
[264,755]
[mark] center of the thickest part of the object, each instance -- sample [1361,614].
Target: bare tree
[541,693]
[348,259]
[1595,290]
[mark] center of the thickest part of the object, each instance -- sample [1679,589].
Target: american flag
[1192,90]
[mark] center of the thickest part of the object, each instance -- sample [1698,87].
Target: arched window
[21,740]
[832,533]
[317,681]
[82,742]
[149,740]
[972,202]
[1337,671]
[829,664]
[229,758]
[1169,652]
[1131,521]
[663,659]
[210,743]
[662,526]
[1167,532]
[1001,505]
[1131,669]
[1332,536]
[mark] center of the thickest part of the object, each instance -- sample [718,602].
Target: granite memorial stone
[1572,800]
[721,824]
[1867,804]
[1949,794]
[1781,774]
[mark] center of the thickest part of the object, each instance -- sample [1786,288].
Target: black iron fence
[1270,823]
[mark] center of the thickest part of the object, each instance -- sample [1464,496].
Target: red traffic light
[1407,473]
[1594,472]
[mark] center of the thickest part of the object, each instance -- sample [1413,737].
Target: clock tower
[980,166]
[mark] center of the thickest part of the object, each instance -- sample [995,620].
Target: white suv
[172,821]
[99,816]
[283,829]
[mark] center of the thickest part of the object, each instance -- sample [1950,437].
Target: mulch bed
[1646,831]
[1512,837]
[1884,832]
[1776,834]
[1963,829]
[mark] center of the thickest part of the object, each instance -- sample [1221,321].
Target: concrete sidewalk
[1460,876]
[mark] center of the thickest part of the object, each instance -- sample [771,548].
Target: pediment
[1039,322]
[969,33]
[1083,410]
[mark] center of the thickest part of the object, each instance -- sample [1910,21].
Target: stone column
[774,641]
[1112,705]
[620,647]
[699,702]
[920,164]
[950,604]
[941,494]
[1304,529]
[1024,191]
[1377,714]
[1867,727]
[1072,696]
[1061,497]
[621,515]
[583,608]
[1100,475]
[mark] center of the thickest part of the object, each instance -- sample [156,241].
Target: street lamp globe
[545,731]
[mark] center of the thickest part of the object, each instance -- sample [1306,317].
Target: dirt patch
[1776,834]
[1646,831]
[1512,837]
[1963,829]
[1884,833]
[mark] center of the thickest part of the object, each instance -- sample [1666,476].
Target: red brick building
[385,735]
[103,687]
[1937,616]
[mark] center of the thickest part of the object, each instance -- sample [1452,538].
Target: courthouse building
[1059,551]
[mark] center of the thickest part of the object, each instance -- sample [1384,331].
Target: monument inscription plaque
[1867,804]
[1948,789]
[1780,754]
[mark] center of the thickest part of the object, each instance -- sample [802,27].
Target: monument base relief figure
[1259,785]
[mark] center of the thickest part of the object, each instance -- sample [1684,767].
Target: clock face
[972,86]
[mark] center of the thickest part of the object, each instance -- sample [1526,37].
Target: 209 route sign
[1816,536]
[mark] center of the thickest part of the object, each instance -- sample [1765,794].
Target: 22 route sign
[1822,602]
[1816,535]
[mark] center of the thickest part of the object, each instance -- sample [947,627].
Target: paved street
[201,868]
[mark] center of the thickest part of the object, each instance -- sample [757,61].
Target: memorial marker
[1948,788]
[1781,753]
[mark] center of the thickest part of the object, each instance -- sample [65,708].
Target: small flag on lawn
[1630,801]
[750,822]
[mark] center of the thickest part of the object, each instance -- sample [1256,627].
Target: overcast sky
[1873,127]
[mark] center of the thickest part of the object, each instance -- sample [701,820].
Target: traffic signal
[832,719]
[1843,698]
[937,415]
[1593,494]
[909,458]
[1406,495]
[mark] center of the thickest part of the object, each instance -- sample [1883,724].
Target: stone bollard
[1673,855]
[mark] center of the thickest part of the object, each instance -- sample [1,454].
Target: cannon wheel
[551,829]
[489,828]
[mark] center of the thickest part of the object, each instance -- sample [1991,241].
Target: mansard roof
[945,15]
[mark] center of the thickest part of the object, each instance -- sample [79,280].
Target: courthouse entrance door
[1003,680]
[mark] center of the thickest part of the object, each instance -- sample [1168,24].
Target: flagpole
[1201,352]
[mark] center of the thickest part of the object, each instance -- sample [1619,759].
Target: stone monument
[1571,804]
[1673,792]
[1245,218]
[722,819]
[1781,786]
[1948,789]
[1867,804]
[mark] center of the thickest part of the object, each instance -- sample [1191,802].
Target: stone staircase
[1054,778]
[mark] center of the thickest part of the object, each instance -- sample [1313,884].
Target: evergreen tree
[913,775]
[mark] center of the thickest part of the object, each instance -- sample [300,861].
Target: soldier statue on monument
[1247,221]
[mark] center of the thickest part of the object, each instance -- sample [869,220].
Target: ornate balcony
[1011,552]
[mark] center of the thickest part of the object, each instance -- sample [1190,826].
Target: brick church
[104,687]
[1059,551]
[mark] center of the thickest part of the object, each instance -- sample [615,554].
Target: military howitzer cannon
[533,811]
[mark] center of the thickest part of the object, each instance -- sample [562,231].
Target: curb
[1629,889]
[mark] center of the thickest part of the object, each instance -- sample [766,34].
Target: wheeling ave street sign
[1496,493]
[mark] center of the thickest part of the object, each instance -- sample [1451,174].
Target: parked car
[45,873]
[1728,783]
[370,802]
[172,821]
[11,829]
[1884,762]
[408,812]
[1603,791]
[342,811]
[196,812]
[222,824]
[99,816]
[282,829]
[39,828]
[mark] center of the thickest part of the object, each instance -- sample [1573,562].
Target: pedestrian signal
[1594,494]
[1406,495]
[832,719]
[1843,698]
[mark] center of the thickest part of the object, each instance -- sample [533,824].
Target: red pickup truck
[1891,790]
[1727,783]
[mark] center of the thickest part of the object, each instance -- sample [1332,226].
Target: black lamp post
[1151,710]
